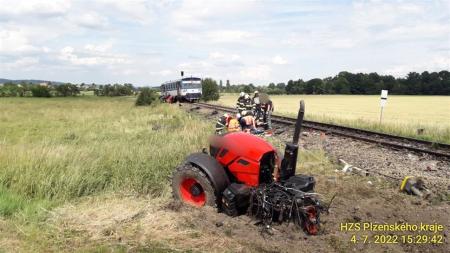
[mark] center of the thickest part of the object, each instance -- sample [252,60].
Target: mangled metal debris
[353,169]
[415,186]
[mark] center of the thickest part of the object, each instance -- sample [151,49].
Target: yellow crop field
[403,114]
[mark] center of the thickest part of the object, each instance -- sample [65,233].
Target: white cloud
[224,59]
[91,57]
[199,13]
[437,63]
[41,8]
[99,48]
[24,63]
[164,72]
[278,60]
[90,20]
[259,72]
[141,40]
[229,36]
[140,11]
[15,41]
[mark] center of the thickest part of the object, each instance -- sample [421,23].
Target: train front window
[189,85]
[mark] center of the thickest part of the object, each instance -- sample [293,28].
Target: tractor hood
[243,145]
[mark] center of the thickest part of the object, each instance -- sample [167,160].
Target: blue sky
[148,42]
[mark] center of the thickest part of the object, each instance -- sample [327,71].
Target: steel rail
[394,141]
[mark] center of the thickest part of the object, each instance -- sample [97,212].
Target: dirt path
[138,222]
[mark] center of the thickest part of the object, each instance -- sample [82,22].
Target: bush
[146,97]
[210,90]
[40,91]
[114,90]
[65,90]
[12,90]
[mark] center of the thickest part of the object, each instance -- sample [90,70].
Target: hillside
[33,81]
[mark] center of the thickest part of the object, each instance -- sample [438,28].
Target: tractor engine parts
[277,203]
[236,199]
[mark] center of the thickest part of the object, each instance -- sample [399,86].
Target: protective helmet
[238,116]
[241,94]
[247,96]
[226,115]
[256,92]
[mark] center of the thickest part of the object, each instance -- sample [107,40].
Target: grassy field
[91,174]
[403,114]
[56,152]
[59,149]
[69,147]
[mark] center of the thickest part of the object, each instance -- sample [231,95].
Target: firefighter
[257,106]
[248,104]
[266,110]
[240,105]
[222,123]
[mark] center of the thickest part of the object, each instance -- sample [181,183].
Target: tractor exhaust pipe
[299,123]
[289,162]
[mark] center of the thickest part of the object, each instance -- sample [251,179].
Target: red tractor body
[244,155]
[244,173]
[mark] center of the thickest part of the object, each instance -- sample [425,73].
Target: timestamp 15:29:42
[392,239]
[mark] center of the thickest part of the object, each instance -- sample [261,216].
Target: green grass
[53,151]
[403,115]
[62,148]
[10,202]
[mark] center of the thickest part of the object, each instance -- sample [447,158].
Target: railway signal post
[383,101]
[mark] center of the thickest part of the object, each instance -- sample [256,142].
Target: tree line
[425,83]
[24,89]
[48,89]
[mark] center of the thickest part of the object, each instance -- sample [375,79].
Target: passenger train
[185,89]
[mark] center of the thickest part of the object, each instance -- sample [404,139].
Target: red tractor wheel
[311,225]
[191,186]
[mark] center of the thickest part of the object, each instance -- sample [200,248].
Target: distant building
[43,84]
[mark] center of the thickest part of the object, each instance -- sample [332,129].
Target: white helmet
[256,92]
[241,94]
[247,96]
[238,116]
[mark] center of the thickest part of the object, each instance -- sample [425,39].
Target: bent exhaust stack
[289,162]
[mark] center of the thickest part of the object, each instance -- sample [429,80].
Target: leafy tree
[114,90]
[65,90]
[210,90]
[40,91]
[247,89]
[146,97]
[281,86]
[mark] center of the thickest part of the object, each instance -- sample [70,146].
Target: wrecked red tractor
[243,173]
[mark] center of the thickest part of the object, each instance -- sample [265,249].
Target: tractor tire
[191,186]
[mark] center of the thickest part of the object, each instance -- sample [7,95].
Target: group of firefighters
[251,113]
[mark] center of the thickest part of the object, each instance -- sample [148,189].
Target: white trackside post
[383,101]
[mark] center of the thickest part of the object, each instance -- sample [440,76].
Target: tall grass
[62,148]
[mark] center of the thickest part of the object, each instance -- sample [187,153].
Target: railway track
[388,140]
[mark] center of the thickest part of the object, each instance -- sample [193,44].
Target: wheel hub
[192,192]
[196,189]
